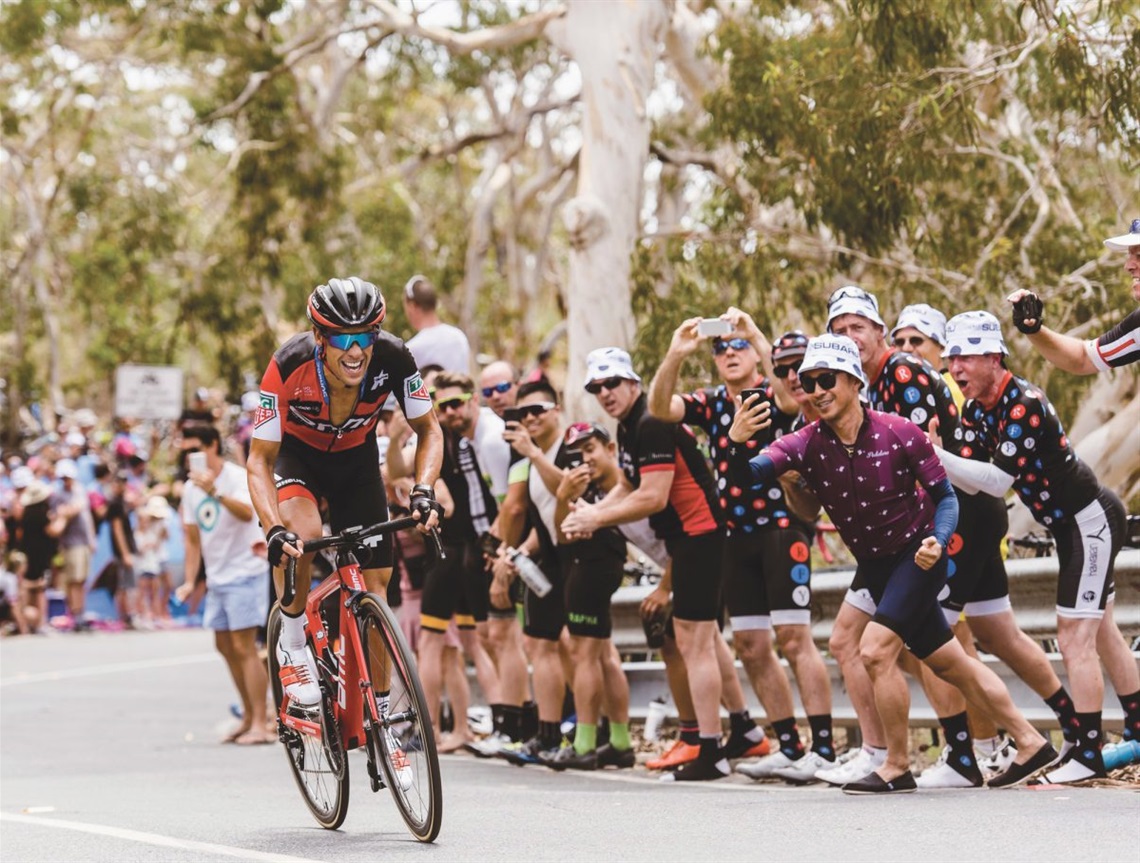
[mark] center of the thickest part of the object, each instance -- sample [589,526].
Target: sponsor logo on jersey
[324,427]
[414,388]
[266,409]
[307,407]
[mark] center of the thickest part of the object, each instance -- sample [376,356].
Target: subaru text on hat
[853,300]
[836,354]
[972,334]
[926,319]
[1126,241]
[609,363]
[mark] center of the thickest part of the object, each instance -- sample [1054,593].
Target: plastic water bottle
[1120,754]
[654,718]
[530,573]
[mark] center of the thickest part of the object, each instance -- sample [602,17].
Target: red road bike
[360,654]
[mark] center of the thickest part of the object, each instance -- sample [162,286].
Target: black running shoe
[700,770]
[567,758]
[1019,773]
[873,783]
[608,756]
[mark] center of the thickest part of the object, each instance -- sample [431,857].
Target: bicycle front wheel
[321,770]
[403,741]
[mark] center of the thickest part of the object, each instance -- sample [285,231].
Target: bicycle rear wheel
[319,764]
[403,743]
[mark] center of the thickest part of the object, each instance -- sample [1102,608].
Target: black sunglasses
[783,371]
[595,387]
[719,346]
[913,341]
[826,381]
[533,410]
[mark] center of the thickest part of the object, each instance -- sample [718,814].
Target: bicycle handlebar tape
[276,539]
[1029,308]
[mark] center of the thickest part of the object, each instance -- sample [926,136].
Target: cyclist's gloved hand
[1028,308]
[276,539]
[423,501]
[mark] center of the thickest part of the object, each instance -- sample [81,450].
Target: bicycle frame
[342,656]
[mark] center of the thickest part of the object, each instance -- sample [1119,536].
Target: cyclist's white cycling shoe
[401,766]
[298,675]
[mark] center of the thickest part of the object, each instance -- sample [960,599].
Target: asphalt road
[108,751]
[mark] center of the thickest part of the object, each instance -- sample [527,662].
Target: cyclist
[1120,346]
[314,437]
[1012,422]
[921,330]
[767,574]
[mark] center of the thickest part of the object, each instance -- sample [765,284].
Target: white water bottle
[530,573]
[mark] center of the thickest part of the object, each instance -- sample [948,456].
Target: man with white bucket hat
[1011,421]
[877,476]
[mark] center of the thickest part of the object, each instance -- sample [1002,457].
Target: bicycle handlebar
[351,537]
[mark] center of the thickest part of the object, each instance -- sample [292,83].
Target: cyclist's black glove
[276,539]
[1029,308]
[423,501]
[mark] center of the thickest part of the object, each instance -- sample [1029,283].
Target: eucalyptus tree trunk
[616,47]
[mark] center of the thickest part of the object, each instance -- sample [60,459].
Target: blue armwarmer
[946,513]
[759,471]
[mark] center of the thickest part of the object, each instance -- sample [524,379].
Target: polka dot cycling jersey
[746,509]
[1024,437]
[910,387]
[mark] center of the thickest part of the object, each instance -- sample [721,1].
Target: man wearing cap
[887,494]
[592,569]
[1119,347]
[767,553]
[921,330]
[672,485]
[72,507]
[435,343]
[902,384]
[1010,421]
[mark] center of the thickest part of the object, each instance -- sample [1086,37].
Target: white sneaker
[400,764]
[942,774]
[1072,771]
[804,769]
[298,675]
[852,766]
[489,746]
[998,761]
[766,767]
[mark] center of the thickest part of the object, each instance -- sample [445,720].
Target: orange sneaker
[742,747]
[676,755]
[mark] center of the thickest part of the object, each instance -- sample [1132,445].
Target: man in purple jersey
[877,476]
[1120,346]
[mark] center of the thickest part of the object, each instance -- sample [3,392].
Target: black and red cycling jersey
[910,387]
[294,395]
[1119,347]
[649,444]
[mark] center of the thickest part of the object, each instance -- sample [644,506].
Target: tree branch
[521,30]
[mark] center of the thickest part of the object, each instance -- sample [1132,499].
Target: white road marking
[156,839]
[113,668]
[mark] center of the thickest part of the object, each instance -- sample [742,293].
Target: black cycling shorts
[767,578]
[696,575]
[348,480]
[1087,546]
[976,577]
[544,616]
[590,584]
[907,598]
[456,586]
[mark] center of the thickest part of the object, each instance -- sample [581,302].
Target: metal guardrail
[1033,590]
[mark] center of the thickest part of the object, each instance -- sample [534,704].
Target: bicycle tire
[322,781]
[406,748]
